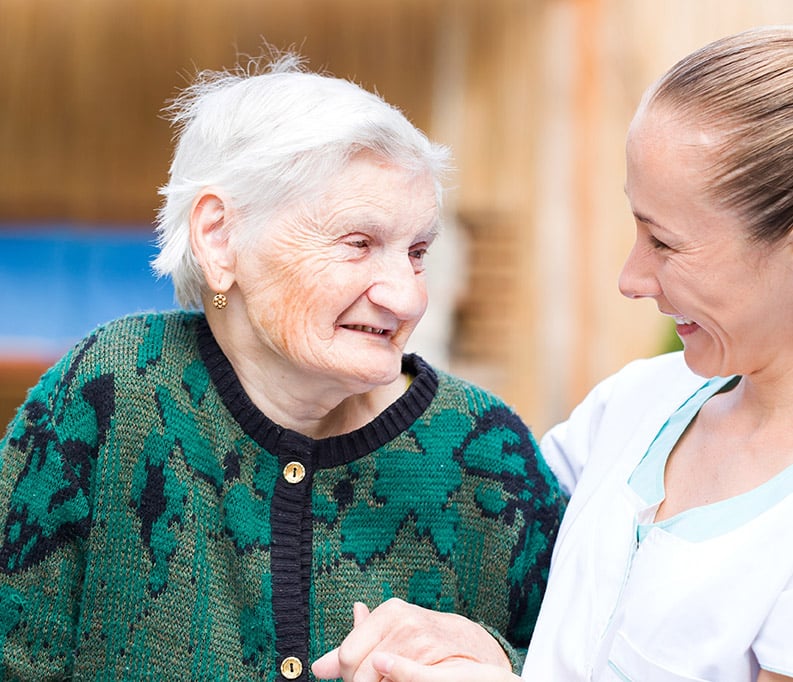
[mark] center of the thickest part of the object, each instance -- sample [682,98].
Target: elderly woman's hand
[446,641]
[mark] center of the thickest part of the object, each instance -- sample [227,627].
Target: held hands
[398,669]
[402,642]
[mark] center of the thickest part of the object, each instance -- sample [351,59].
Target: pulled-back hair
[269,134]
[741,89]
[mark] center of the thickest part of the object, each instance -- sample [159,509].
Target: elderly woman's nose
[397,287]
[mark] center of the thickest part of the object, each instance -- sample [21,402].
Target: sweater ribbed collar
[326,452]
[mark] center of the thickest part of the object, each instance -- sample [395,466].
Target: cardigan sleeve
[45,471]
[543,507]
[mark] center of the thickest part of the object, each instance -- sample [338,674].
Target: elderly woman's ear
[209,239]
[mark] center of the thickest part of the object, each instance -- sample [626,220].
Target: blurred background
[534,97]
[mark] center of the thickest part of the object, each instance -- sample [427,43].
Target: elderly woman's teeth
[361,328]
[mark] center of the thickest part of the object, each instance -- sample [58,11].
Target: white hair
[268,137]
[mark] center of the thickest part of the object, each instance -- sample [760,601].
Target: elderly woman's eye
[419,253]
[359,243]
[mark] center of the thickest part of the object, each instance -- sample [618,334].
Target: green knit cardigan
[154,524]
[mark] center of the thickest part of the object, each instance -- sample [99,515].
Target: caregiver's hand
[398,669]
[404,630]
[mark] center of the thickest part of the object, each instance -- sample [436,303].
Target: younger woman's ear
[209,240]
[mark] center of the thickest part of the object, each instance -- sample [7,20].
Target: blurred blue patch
[58,282]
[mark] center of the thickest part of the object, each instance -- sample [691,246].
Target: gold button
[294,472]
[291,668]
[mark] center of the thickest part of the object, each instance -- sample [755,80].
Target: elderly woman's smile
[333,290]
[362,328]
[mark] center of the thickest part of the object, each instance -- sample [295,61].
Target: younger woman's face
[731,298]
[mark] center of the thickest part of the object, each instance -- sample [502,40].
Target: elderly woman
[200,495]
[675,558]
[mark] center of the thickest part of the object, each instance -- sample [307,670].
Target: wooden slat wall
[534,96]
[550,88]
[600,55]
[83,82]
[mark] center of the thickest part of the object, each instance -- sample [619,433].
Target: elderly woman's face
[731,299]
[336,288]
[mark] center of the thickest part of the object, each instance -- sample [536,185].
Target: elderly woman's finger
[329,666]
[428,636]
[402,629]
[370,632]
[360,612]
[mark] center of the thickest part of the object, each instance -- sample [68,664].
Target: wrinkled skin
[399,669]
[324,298]
[441,646]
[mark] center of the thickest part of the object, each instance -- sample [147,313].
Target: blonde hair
[741,87]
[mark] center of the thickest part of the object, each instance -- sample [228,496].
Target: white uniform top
[706,595]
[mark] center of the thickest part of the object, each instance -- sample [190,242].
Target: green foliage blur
[671,341]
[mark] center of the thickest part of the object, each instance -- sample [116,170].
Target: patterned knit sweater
[154,524]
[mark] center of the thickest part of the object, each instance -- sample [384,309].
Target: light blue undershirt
[712,520]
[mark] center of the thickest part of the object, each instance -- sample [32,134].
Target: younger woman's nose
[638,279]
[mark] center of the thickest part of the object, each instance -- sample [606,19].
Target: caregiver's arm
[764,676]
[566,446]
